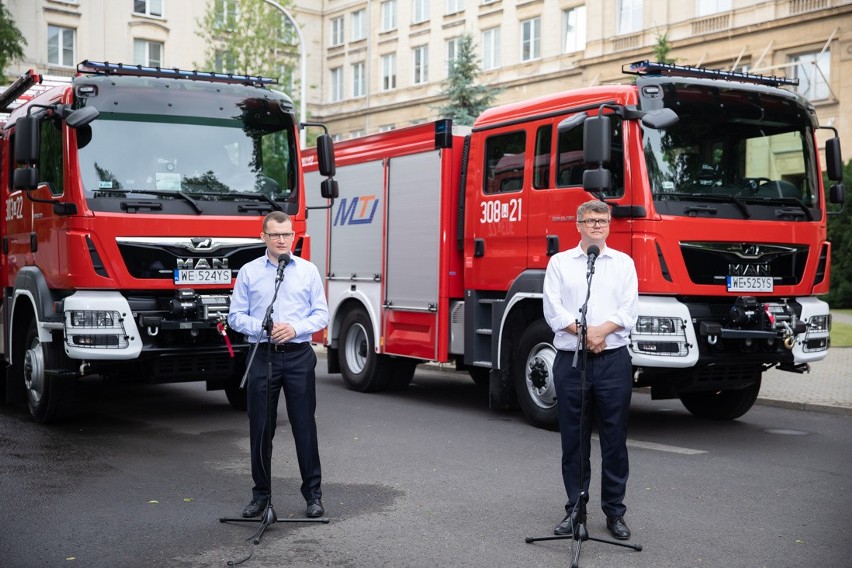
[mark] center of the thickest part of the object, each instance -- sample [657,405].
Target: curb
[826,408]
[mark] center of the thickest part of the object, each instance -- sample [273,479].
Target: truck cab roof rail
[653,68]
[107,68]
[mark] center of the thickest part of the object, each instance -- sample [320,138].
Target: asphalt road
[426,477]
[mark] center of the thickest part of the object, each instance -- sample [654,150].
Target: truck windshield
[750,150]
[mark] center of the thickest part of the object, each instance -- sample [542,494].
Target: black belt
[287,347]
[605,352]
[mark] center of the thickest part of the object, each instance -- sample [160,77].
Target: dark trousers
[608,389]
[294,373]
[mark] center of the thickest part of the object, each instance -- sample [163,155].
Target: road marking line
[659,447]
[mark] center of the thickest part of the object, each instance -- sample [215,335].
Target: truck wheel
[362,368]
[402,372]
[533,375]
[721,405]
[49,397]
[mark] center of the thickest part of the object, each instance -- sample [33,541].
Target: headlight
[659,326]
[820,323]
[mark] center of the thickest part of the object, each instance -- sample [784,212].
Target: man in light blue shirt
[300,309]
[611,313]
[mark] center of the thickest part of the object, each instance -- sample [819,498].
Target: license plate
[203,276]
[750,284]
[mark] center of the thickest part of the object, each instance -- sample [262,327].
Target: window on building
[225,62]
[386,128]
[388,15]
[148,53]
[356,134]
[359,25]
[491,48]
[337,84]
[452,53]
[226,13]
[61,46]
[421,64]
[454,6]
[420,11]
[389,72]
[813,70]
[359,86]
[337,31]
[574,29]
[629,16]
[148,7]
[707,7]
[504,162]
[531,39]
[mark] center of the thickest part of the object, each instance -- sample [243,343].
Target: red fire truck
[437,247]
[131,197]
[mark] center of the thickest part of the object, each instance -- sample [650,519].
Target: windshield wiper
[713,197]
[158,192]
[238,195]
[784,201]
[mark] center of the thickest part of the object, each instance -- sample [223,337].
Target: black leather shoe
[569,524]
[315,508]
[617,527]
[254,508]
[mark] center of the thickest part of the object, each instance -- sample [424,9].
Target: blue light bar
[651,68]
[107,68]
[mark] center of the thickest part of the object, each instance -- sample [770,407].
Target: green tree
[466,99]
[249,37]
[662,48]
[840,236]
[12,41]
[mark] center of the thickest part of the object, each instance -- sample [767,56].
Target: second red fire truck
[437,247]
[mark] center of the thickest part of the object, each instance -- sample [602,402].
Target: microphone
[282,262]
[592,252]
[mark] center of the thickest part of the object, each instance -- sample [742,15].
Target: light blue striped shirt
[300,302]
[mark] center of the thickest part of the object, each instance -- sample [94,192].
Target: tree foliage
[662,48]
[249,37]
[840,236]
[466,99]
[12,41]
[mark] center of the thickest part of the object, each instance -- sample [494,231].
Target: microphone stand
[268,517]
[581,533]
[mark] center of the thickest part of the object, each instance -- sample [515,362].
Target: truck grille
[711,263]
[157,258]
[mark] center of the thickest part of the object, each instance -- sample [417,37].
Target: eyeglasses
[278,236]
[589,223]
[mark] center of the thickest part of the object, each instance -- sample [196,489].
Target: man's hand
[282,332]
[596,338]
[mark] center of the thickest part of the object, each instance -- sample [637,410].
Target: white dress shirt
[614,295]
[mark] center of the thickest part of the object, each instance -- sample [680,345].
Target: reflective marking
[659,447]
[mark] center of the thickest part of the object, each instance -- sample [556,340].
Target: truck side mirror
[597,140]
[833,159]
[329,189]
[82,117]
[25,178]
[27,140]
[325,155]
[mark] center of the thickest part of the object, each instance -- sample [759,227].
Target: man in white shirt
[611,314]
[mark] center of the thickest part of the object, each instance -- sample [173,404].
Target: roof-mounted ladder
[107,68]
[651,68]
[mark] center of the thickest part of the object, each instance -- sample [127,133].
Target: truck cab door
[496,219]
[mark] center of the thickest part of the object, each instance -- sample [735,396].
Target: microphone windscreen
[593,250]
[283,259]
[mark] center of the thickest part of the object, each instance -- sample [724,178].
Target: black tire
[402,373]
[480,375]
[49,397]
[532,371]
[721,405]
[362,368]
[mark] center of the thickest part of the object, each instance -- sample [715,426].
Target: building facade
[378,64]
